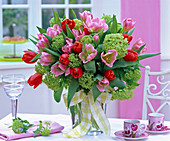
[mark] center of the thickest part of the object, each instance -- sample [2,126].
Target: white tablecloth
[65,120]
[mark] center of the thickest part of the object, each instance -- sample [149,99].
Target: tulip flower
[43,42]
[109,74]
[128,24]
[68,47]
[85,14]
[96,38]
[39,36]
[129,38]
[131,56]
[35,80]
[109,58]
[138,44]
[88,53]
[76,72]
[28,56]
[70,23]
[64,59]
[78,34]
[77,48]
[102,84]
[95,25]
[47,59]
[60,69]
[54,31]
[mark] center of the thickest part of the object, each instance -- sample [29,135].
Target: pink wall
[146,13]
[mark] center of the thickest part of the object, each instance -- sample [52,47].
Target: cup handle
[142,130]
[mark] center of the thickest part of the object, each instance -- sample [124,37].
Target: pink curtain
[146,13]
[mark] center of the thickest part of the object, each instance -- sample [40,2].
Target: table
[65,120]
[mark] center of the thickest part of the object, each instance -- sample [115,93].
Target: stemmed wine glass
[13,85]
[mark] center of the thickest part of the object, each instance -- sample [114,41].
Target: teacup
[133,128]
[156,121]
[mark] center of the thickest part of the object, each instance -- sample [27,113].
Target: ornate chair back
[162,94]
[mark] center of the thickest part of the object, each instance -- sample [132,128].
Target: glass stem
[14,108]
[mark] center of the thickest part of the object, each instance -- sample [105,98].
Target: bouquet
[93,59]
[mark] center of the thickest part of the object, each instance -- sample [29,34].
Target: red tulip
[76,72]
[64,59]
[129,38]
[28,56]
[77,48]
[131,56]
[70,23]
[35,80]
[86,31]
[109,74]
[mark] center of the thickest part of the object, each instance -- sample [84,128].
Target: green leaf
[32,51]
[98,77]
[41,30]
[141,66]
[34,42]
[131,31]
[70,33]
[57,94]
[35,38]
[72,90]
[64,37]
[74,15]
[84,43]
[144,56]
[56,17]
[90,67]
[139,50]
[114,25]
[56,63]
[117,83]
[122,64]
[93,41]
[103,36]
[95,91]
[38,56]
[51,52]
[48,37]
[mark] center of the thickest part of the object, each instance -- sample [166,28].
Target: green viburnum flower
[51,81]
[88,40]
[86,80]
[133,75]
[122,94]
[42,69]
[57,42]
[78,24]
[74,60]
[52,22]
[116,41]
[107,18]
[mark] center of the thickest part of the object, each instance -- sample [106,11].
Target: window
[27,14]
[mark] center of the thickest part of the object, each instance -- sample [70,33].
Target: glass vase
[76,115]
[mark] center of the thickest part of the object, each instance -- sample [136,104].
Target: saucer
[166,130]
[121,132]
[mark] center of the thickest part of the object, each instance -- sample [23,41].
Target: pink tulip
[88,53]
[96,38]
[85,14]
[60,69]
[78,34]
[43,42]
[95,25]
[47,59]
[39,36]
[102,84]
[109,58]
[68,47]
[138,44]
[128,24]
[54,31]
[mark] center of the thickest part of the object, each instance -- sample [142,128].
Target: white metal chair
[163,94]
